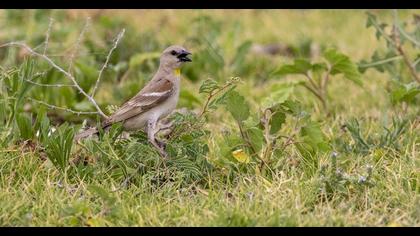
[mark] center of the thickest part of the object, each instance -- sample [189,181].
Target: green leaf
[300,66]
[319,67]
[280,93]
[405,93]
[380,63]
[371,20]
[294,108]
[256,137]
[237,106]
[221,98]
[312,135]
[277,120]
[208,86]
[341,64]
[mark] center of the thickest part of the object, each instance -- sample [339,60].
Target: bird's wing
[151,95]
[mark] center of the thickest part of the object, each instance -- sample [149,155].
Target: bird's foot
[161,144]
[162,147]
[163,153]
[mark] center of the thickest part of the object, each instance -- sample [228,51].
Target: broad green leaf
[208,86]
[300,66]
[341,64]
[405,93]
[221,98]
[294,108]
[256,137]
[280,93]
[277,120]
[312,135]
[237,106]
[319,67]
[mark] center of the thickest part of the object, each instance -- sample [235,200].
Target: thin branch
[116,41]
[67,74]
[63,108]
[311,81]
[47,35]
[212,95]
[76,46]
[269,144]
[380,62]
[49,85]
[397,42]
[316,94]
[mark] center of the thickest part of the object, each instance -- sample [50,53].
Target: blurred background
[250,44]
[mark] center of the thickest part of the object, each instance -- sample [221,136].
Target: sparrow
[155,101]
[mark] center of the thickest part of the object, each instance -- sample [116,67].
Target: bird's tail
[86,133]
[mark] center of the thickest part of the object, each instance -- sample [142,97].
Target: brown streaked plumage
[155,101]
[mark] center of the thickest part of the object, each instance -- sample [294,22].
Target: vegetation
[286,118]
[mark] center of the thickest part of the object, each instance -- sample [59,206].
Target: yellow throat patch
[177,72]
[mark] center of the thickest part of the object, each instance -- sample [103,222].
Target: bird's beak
[183,56]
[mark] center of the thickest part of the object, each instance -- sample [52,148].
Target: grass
[327,191]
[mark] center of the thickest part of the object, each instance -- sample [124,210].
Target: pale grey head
[174,57]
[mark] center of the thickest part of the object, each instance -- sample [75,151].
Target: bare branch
[47,35]
[116,41]
[49,85]
[63,108]
[76,46]
[67,74]
[396,39]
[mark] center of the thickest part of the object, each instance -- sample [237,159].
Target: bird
[154,102]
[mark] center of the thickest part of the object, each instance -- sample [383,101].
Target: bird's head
[174,57]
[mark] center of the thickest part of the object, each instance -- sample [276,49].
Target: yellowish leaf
[241,156]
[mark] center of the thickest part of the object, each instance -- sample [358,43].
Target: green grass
[125,183]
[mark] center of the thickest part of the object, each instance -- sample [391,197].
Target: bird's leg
[164,130]
[165,126]
[151,132]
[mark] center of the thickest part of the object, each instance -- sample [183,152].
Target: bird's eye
[173,52]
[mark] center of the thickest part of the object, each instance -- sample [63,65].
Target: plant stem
[211,95]
[316,93]
[380,62]
[396,40]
